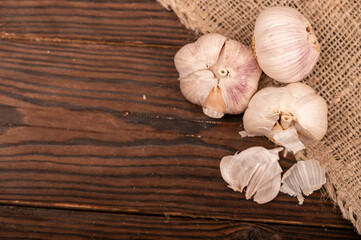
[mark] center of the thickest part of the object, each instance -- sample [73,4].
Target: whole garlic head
[287,115]
[220,75]
[285,44]
[255,168]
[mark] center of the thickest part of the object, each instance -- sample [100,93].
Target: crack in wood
[167,215]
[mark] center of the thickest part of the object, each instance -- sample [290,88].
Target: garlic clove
[308,108]
[237,170]
[255,168]
[299,90]
[268,191]
[316,176]
[199,55]
[289,139]
[263,112]
[197,86]
[214,105]
[304,176]
[312,121]
[285,44]
[241,80]
[212,113]
[265,174]
[229,172]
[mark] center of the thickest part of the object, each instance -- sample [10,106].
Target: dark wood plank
[37,223]
[135,171]
[48,74]
[135,87]
[77,132]
[90,123]
[142,21]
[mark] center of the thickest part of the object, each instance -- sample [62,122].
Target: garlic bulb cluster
[255,168]
[290,115]
[285,44]
[305,176]
[220,75]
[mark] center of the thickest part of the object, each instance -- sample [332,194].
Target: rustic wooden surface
[98,142]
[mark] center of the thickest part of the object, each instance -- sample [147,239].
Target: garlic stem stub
[285,44]
[217,73]
[256,169]
[291,116]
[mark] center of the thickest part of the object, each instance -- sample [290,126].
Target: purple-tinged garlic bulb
[285,44]
[290,115]
[220,75]
[305,176]
[255,168]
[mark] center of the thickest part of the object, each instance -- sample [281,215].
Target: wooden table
[97,141]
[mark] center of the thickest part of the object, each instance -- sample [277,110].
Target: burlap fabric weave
[336,77]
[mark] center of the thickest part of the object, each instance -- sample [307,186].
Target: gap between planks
[167,215]
[13,36]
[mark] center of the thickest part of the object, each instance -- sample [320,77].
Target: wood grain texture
[141,21]
[136,171]
[79,134]
[92,119]
[48,224]
[123,85]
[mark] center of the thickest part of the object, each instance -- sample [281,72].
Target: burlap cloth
[336,77]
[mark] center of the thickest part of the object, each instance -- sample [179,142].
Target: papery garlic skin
[220,75]
[255,168]
[303,177]
[289,139]
[285,44]
[296,102]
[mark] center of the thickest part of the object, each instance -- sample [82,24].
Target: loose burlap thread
[336,77]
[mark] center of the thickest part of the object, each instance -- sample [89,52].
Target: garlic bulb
[290,115]
[305,176]
[220,75]
[285,44]
[255,168]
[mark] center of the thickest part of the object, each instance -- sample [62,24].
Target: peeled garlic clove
[285,44]
[305,176]
[272,111]
[199,55]
[255,168]
[230,68]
